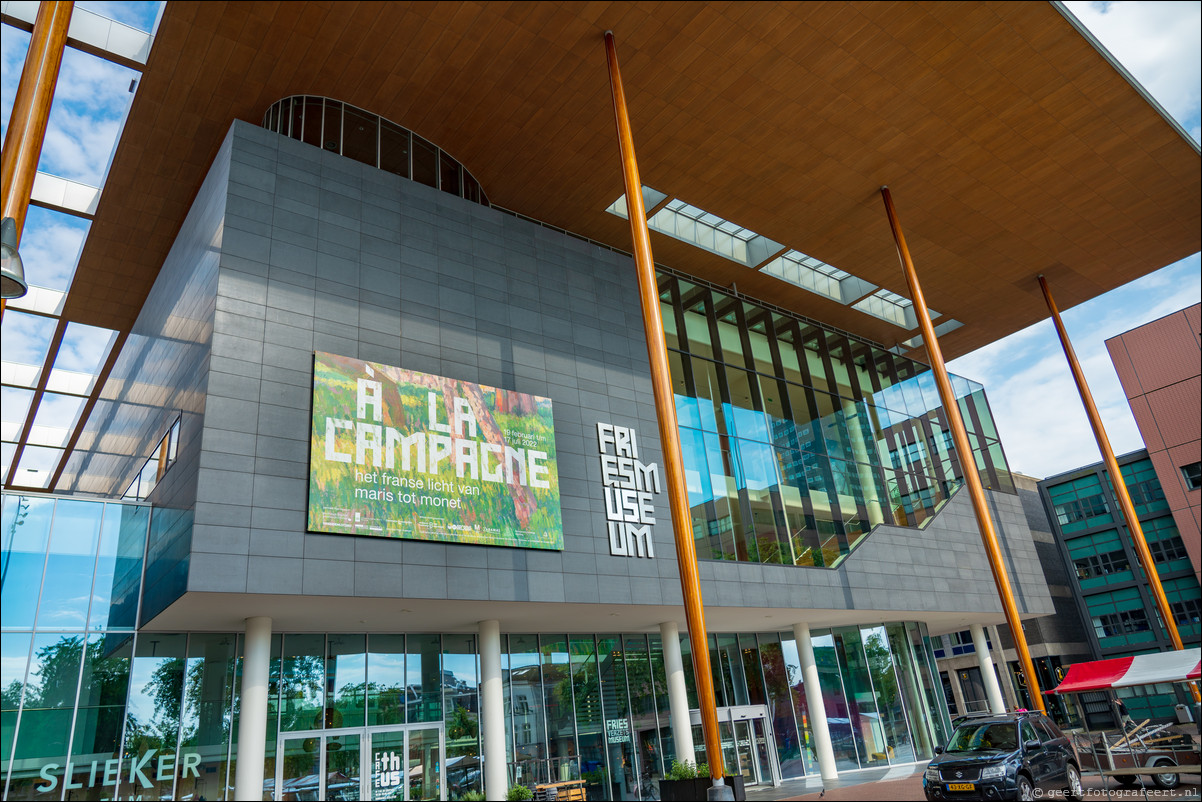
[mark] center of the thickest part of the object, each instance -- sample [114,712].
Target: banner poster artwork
[397,453]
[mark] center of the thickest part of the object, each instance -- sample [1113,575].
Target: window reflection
[26,533]
[386,690]
[859,437]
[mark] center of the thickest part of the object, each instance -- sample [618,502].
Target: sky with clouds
[1043,428]
[1039,415]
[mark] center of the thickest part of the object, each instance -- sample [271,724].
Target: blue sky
[1039,416]
[1042,424]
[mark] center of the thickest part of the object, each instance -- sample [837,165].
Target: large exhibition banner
[397,453]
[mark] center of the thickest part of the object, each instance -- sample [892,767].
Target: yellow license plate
[961,787]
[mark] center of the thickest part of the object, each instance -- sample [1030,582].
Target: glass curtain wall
[604,714]
[798,440]
[71,574]
[158,712]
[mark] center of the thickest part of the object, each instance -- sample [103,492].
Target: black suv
[1003,757]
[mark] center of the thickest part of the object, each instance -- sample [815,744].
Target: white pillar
[813,692]
[678,695]
[994,691]
[1009,692]
[492,711]
[252,713]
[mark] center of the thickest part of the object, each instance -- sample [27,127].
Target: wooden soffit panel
[1012,147]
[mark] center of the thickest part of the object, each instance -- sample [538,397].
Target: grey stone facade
[315,252]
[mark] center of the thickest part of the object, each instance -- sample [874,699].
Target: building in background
[377,406]
[1108,581]
[1160,368]
[1056,641]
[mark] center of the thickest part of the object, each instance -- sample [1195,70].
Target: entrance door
[403,763]
[748,766]
[973,688]
[311,766]
[748,743]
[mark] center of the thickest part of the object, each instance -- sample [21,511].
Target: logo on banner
[630,487]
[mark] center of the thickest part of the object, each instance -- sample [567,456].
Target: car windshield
[984,738]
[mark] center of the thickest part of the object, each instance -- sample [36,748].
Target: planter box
[695,790]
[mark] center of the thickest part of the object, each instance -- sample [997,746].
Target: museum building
[397,440]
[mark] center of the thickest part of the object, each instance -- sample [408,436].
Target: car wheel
[1026,792]
[1165,781]
[1075,790]
[1126,780]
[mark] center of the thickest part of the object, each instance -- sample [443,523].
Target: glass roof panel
[26,343]
[80,358]
[89,106]
[50,246]
[14,43]
[14,406]
[37,466]
[55,419]
[140,15]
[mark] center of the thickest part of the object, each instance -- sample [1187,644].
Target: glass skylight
[943,328]
[892,308]
[80,358]
[702,229]
[55,419]
[26,343]
[818,277]
[14,406]
[37,466]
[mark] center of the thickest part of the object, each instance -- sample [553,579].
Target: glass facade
[797,439]
[94,709]
[370,139]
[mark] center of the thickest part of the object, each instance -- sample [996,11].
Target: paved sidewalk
[905,783]
[799,788]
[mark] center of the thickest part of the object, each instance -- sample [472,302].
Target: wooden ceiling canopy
[1012,147]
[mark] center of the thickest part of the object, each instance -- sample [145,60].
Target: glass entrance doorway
[748,745]
[376,763]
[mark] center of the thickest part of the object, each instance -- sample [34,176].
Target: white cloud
[13,45]
[1038,413]
[1160,44]
[50,246]
[85,119]
[26,337]
[83,348]
[138,14]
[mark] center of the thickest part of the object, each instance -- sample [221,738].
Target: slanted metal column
[972,480]
[669,434]
[31,110]
[1116,477]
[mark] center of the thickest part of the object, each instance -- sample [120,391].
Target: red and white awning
[1143,669]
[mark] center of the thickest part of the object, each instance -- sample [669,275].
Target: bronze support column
[31,110]
[1116,476]
[665,408]
[972,479]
